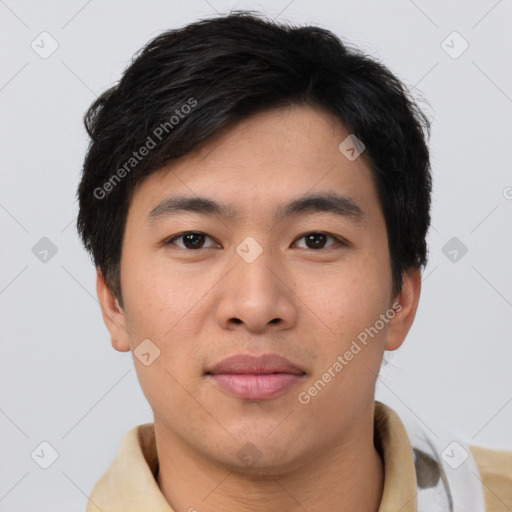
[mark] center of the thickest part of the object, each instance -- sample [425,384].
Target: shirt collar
[400,490]
[129,484]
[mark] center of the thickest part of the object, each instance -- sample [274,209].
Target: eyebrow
[314,203]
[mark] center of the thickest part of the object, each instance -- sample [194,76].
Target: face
[271,269]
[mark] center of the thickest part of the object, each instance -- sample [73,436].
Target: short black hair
[190,84]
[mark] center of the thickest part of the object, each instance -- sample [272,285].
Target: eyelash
[339,240]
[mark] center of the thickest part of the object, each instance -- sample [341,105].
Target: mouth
[255,377]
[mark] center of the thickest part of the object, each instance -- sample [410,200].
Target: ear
[113,315]
[405,306]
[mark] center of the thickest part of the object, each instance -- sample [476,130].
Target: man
[256,199]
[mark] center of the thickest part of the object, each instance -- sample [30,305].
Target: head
[252,187]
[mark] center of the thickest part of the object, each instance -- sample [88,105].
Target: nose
[257,296]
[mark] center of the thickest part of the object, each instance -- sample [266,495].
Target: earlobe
[113,314]
[407,300]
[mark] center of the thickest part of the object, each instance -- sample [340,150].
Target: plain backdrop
[61,381]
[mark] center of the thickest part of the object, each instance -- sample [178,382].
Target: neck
[345,477]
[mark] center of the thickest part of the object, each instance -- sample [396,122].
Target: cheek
[163,305]
[348,302]
[160,296]
[344,301]
[349,355]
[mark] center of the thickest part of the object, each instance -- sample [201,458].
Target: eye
[191,240]
[318,240]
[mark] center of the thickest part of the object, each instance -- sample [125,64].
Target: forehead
[268,159]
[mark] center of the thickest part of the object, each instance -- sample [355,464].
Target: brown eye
[190,240]
[317,240]
[193,240]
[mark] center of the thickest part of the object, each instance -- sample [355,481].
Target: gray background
[61,382]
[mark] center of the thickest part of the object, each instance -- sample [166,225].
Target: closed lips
[255,365]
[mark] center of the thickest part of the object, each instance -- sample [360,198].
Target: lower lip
[256,386]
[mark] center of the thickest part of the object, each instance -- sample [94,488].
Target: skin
[307,304]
